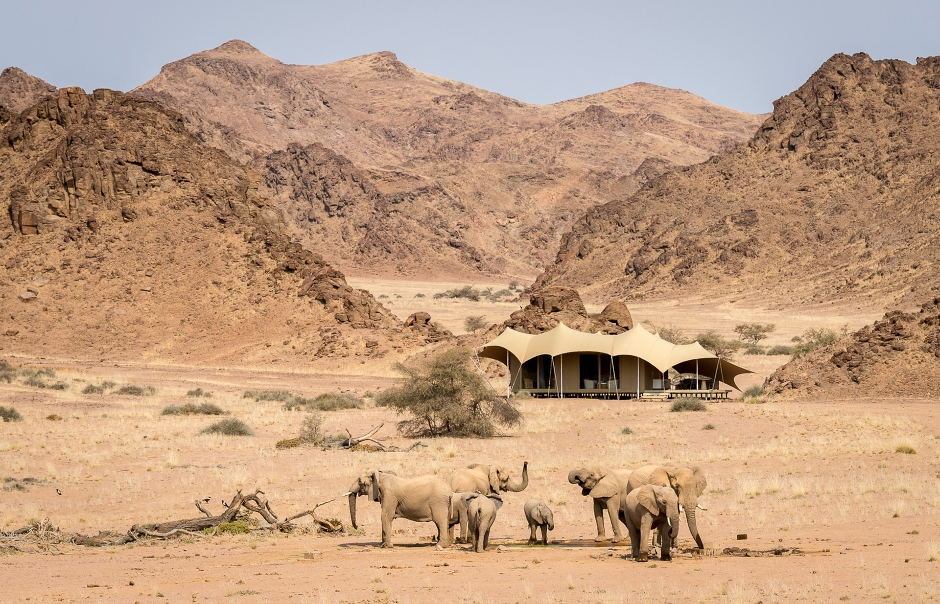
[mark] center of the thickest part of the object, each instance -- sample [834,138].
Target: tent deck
[625,395]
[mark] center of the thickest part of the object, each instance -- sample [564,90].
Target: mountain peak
[237,47]
[19,90]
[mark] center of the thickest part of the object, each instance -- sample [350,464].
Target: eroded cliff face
[895,357]
[834,198]
[126,236]
[19,90]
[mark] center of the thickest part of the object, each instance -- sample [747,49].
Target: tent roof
[636,342]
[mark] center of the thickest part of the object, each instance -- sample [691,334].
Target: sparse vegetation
[467,292]
[780,349]
[198,392]
[419,295]
[54,417]
[755,391]
[513,285]
[474,324]
[311,433]
[281,396]
[9,414]
[92,389]
[753,349]
[906,448]
[627,430]
[708,427]
[132,390]
[718,345]
[753,333]
[446,397]
[36,378]
[671,334]
[688,404]
[324,402]
[497,295]
[815,338]
[193,409]
[229,427]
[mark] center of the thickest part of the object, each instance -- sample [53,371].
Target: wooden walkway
[708,395]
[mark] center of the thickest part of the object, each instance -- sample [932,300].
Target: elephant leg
[644,553]
[462,515]
[664,553]
[532,529]
[599,519]
[613,512]
[486,539]
[544,534]
[388,514]
[441,517]
[634,540]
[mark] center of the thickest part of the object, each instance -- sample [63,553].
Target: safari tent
[568,363]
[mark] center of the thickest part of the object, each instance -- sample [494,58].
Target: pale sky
[741,54]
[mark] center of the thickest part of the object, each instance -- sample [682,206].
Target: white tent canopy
[636,342]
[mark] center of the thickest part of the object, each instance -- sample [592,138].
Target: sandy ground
[822,476]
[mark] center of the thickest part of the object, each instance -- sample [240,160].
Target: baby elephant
[481,514]
[539,515]
[647,508]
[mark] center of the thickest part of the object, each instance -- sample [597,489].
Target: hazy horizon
[738,54]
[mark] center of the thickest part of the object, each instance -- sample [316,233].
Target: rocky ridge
[553,305]
[896,356]
[835,198]
[19,90]
[515,174]
[128,238]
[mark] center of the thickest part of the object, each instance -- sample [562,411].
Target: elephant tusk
[668,521]
[681,509]
[699,506]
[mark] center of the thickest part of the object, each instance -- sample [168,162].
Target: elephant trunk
[673,514]
[352,509]
[515,487]
[693,527]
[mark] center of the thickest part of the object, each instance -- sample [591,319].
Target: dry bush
[198,392]
[92,389]
[331,402]
[229,427]
[671,334]
[815,338]
[717,345]
[192,409]
[281,396]
[687,404]
[9,414]
[474,324]
[779,349]
[132,390]
[446,397]
[466,292]
[753,332]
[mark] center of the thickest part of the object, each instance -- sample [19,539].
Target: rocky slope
[553,305]
[19,90]
[897,356]
[834,198]
[491,181]
[128,238]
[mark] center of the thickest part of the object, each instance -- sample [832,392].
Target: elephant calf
[481,514]
[647,508]
[539,515]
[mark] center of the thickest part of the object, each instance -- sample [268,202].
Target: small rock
[27,296]
[32,289]
[502,548]
[149,273]
[146,289]
[11,332]
[40,281]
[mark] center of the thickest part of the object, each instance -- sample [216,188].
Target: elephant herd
[647,498]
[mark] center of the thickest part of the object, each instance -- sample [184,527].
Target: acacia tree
[447,397]
[754,332]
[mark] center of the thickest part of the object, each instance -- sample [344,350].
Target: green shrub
[474,324]
[132,390]
[9,414]
[238,527]
[708,427]
[688,404]
[229,427]
[467,292]
[627,430]
[755,391]
[753,332]
[446,396]
[815,338]
[198,392]
[718,345]
[92,389]
[333,402]
[753,349]
[419,295]
[498,295]
[513,285]
[107,385]
[281,396]
[192,409]
[780,349]
[59,386]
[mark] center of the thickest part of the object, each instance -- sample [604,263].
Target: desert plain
[817,485]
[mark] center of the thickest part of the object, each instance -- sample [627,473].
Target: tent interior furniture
[568,363]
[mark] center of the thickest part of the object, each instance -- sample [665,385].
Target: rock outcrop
[553,305]
[834,198]
[897,356]
[135,240]
[19,90]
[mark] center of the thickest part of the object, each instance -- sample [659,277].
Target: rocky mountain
[897,356]
[128,238]
[491,182]
[837,197]
[19,90]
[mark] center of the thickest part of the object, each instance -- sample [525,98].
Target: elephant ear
[646,497]
[661,477]
[606,487]
[496,499]
[375,486]
[494,478]
[700,482]
[537,516]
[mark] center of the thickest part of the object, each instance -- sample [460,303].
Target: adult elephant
[486,480]
[420,499]
[688,482]
[607,487]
